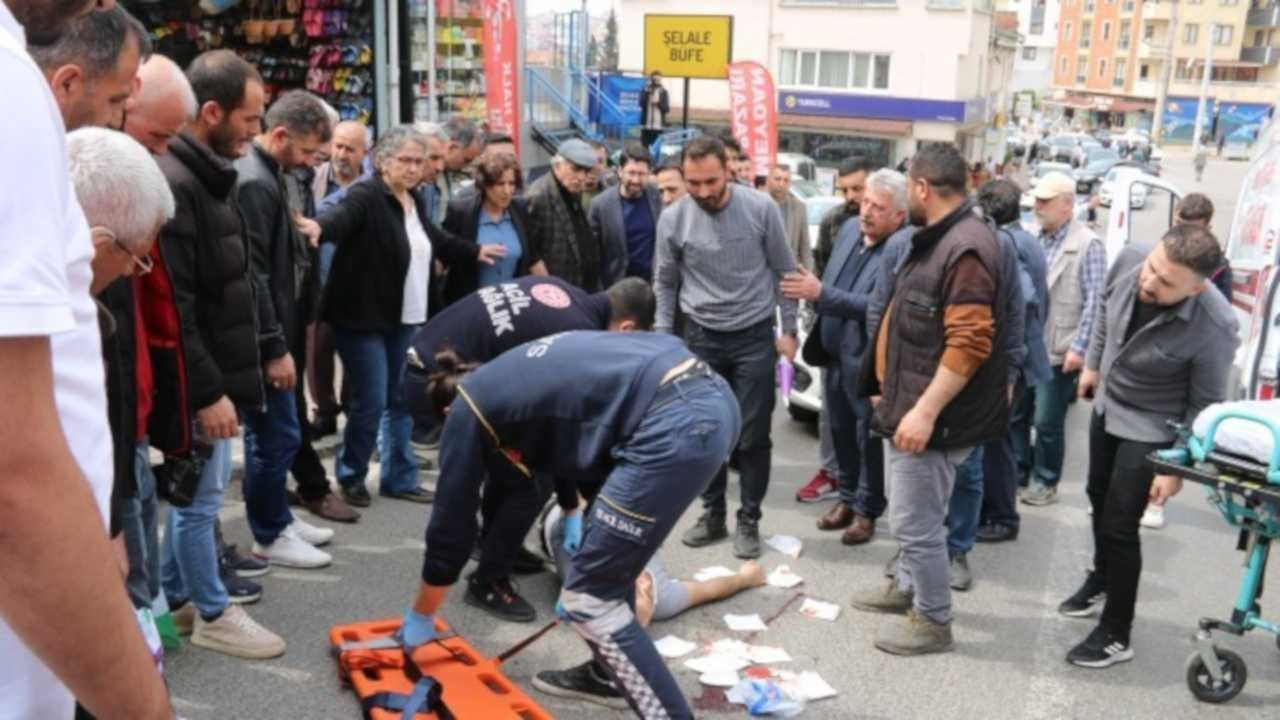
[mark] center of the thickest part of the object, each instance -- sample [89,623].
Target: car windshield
[819,207]
[1103,156]
[1063,141]
[1045,168]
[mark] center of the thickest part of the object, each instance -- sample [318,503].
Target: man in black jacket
[207,261]
[296,127]
[559,232]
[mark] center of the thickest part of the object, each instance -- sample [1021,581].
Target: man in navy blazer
[625,219]
[839,342]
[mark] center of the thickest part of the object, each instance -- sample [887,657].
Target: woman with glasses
[379,290]
[492,216]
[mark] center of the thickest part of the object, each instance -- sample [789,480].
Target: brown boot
[837,518]
[332,507]
[861,531]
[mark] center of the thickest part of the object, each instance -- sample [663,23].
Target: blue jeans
[861,456]
[141,538]
[1053,397]
[966,504]
[746,358]
[682,441]
[190,563]
[373,367]
[271,441]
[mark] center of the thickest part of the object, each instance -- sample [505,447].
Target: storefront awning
[846,125]
[1102,103]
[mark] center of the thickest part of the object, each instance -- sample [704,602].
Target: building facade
[1112,54]
[1038,28]
[873,77]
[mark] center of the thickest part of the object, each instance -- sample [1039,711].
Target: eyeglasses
[142,264]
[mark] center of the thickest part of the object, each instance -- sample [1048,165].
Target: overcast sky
[594,6]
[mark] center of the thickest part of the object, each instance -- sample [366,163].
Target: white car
[818,208]
[1137,193]
[805,400]
[1027,202]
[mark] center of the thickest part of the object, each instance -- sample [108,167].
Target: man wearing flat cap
[559,234]
[1077,273]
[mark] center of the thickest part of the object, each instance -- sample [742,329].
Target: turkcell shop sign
[879,106]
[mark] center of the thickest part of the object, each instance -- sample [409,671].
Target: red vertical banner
[753,109]
[501,69]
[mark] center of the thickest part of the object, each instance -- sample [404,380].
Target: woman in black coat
[377,295]
[493,214]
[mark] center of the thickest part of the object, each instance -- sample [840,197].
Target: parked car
[1058,148]
[802,166]
[1097,163]
[1112,182]
[1080,155]
[1103,136]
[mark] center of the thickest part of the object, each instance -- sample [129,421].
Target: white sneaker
[235,633]
[289,550]
[311,534]
[1153,517]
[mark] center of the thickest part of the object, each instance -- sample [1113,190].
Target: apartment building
[1112,53]
[874,77]
[1038,28]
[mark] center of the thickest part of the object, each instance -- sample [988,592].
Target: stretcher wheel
[1201,684]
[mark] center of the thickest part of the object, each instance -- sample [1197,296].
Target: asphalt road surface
[1010,642]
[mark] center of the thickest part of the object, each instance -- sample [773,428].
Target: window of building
[1106,31]
[1126,29]
[1082,69]
[1144,71]
[1089,5]
[1062,67]
[1223,34]
[1195,2]
[1029,53]
[1066,32]
[1102,67]
[1182,70]
[1122,66]
[1148,31]
[1190,34]
[1128,6]
[1086,29]
[833,69]
[1037,26]
[1259,38]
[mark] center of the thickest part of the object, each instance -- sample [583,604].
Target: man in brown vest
[941,391]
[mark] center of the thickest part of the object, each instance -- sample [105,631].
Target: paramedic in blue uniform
[477,328]
[1161,350]
[635,415]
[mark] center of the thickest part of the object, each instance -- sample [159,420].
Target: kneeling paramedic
[635,415]
[476,329]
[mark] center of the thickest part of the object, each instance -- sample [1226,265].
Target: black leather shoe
[357,495]
[995,532]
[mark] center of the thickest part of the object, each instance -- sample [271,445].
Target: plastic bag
[763,697]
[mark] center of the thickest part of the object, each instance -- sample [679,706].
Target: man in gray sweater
[1161,350]
[720,253]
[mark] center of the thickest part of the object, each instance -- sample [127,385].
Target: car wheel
[800,414]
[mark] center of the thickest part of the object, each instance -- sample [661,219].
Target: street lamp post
[1202,108]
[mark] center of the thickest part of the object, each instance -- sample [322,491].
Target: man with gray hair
[463,144]
[559,233]
[124,197]
[838,343]
[93,66]
[163,104]
[296,126]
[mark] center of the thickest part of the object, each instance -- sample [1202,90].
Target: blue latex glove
[572,533]
[561,612]
[417,629]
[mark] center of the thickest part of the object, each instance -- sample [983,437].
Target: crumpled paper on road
[819,610]
[788,545]
[674,647]
[745,623]
[783,577]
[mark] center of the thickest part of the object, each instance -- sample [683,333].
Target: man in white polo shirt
[65,622]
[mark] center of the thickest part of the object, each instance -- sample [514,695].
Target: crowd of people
[187,260]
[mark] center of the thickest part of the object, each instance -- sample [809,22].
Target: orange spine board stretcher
[474,686]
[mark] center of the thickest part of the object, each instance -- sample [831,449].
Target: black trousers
[308,471]
[509,508]
[1001,472]
[1119,484]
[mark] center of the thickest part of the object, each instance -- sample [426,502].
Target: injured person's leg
[659,596]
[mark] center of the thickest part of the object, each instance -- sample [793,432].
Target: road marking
[293,675]
[1050,696]
[187,706]
[310,577]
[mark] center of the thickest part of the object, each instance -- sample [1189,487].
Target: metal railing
[605,105]
[1265,16]
[1260,55]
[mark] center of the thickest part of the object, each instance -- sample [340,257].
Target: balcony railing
[1261,55]
[1266,16]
